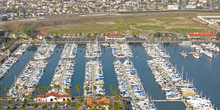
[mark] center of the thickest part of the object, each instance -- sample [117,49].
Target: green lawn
[151,27]
[165,24]
[186,30]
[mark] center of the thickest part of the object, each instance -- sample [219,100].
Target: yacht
[184,54]
[196,55]
[185,43]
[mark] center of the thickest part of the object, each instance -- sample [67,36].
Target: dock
[168,101]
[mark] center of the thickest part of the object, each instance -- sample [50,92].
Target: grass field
[164,24]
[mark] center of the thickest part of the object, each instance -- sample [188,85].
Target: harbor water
[203,71]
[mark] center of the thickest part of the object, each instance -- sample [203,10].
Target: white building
[173,7]
[191,6]
[115,37]
[53,97]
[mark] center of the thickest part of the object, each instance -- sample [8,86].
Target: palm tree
[36,105]
[22,107]
[58,88]
[78,87]
[50,88]
[78,106]
[47,88]
[45,106]
[112,87]
[1,107]
[34,85]
[70,90]
[86,88]
[103,88]
[9,102]
[16,87]
[25,87]
[94,88]
[6,89]
[68,102]
[39,90]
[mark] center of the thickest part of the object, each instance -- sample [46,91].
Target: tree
[4,18]
[39,90]
[45,106]
[1,107]
[112,88]
[103,88]
[218,35]
[78,87]
[16,87]
[24,102]
[78,106]
[25,87]
[22,107]
[6,89]
[68,102]
[9,102]
[36,105]
[94,88]
[56,105]
[86,88]
[58,88]
[116,95]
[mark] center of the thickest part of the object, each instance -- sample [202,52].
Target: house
[115,37]
[173,7]
[104,102]
[53,97]
[201,36]
[41,36]
[191,6]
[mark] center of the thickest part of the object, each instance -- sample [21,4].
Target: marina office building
[201,36]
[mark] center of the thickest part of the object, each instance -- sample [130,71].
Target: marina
[148,84]
[28,80]
[44,51]
[61,81]
[12,59]
[69,50]
[94,80]
[93,50]
[176,88]
[121,50]
[155,50]
[130,85]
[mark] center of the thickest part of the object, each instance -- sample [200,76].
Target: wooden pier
[167,101]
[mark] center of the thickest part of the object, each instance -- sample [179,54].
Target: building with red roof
[201,36]
[41,36]
[53,97]
[114,37]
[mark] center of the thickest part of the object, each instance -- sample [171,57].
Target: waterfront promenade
[131,42]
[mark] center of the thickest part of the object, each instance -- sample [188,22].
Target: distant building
[191,6]
[104,102]
[53,97]
[115,37]
[201,36]
[173,7]
[42,36]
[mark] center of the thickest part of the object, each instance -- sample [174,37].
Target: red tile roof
[115,35]
[42,34]
[53,94]
[202,35]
